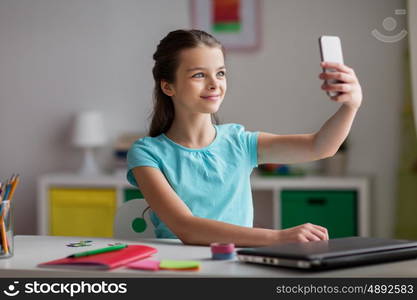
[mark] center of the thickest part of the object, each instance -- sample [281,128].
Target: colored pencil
[15,182]
[6,193]
[2,227]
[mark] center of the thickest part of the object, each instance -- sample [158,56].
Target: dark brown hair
[167,60]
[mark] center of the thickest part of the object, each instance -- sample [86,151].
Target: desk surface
[31,250]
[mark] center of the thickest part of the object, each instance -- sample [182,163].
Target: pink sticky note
[146,264]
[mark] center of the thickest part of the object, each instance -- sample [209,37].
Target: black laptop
[334,253]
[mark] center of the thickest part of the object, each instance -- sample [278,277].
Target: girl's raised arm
[273,148]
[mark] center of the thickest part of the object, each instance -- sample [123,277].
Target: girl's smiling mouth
[211,97]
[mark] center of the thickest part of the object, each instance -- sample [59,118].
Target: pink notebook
[145,264]
[104,261]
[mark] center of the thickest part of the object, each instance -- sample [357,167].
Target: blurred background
[59,58]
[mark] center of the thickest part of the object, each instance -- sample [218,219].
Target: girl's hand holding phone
[348,85]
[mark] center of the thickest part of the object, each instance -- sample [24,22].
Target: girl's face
[200,81]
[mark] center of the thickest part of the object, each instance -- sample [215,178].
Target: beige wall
[58,57]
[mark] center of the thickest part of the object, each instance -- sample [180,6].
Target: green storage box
[130,194]
[335,210]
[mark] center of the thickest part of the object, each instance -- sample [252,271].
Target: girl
[194,173]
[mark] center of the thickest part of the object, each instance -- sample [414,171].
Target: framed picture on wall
[235,23]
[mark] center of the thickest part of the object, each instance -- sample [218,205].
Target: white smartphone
[331,50]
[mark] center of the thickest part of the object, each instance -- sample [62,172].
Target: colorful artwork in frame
[235,23]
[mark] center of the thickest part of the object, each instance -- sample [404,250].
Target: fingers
[302,237]
[343,77]
[311,237]
[310,232]
[338,66]
[321,232]
[316,233]
[337,87]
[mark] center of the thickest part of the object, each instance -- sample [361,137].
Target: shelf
[266,192]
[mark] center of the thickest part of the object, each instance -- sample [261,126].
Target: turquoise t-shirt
[214,182]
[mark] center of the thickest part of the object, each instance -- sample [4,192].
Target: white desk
[31,250]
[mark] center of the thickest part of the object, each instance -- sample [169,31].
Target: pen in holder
[6,216]
[6,229]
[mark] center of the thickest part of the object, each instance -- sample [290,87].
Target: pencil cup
[6,229]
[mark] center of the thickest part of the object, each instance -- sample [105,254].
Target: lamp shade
[89,130]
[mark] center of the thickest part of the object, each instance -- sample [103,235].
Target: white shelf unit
[67,180]
[273,186]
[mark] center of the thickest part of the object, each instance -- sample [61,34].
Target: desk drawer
[335,210]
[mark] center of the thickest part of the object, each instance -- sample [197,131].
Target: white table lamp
[88,134]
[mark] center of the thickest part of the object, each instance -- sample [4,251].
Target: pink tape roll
[222,248]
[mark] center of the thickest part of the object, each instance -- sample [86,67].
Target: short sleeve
[140,154]
[249,141]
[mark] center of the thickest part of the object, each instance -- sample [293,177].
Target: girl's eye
[222,73]
[198,75]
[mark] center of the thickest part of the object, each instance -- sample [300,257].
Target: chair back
[130,222]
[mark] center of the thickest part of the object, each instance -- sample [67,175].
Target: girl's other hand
[349,87]
[303,233]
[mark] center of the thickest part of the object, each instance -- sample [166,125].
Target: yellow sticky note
[179,264]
